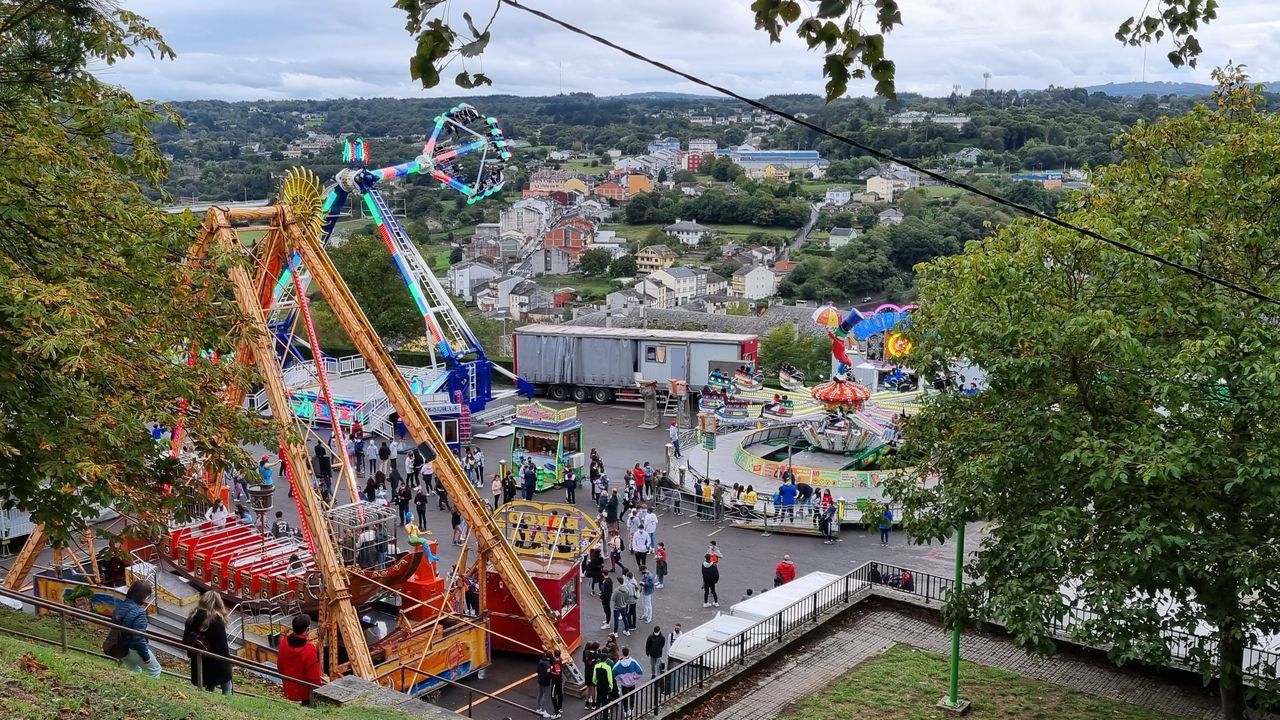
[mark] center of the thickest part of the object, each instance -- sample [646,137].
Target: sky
[291,49]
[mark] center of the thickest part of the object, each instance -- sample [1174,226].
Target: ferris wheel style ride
[467,153]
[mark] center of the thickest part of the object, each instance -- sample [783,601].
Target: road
[803,235]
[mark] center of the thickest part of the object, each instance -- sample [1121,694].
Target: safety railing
[762,638]
[65,612]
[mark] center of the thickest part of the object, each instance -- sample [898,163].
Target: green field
[940,191]
[591,286]
[905,684]
[583,165]
[633,233]
[733,233]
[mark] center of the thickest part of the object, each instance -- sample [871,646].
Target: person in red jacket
[299,662]
[785,572]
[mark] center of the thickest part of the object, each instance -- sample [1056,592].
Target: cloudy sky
[274,49]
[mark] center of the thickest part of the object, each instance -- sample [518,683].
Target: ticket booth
[548,538]
[551,437]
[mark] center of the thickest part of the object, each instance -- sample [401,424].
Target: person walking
[132,613]
[673,432]
[784,572]
[640,547]
[621,598]
[627,673]
[595,568]
[611,509]
[654,646]
[676,632]
[648,585]
[496,487]
[710,576]
[206,629]
[886,524]
[606,600]
[299,662]
[571,486]
[544,684]
[615,551]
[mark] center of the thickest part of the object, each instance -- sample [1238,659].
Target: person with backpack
[206,629]
[654,646]
[557,684]
[602,678]
[132,648]
[299,662]
[784,572]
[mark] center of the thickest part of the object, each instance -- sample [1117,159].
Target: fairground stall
[551,437]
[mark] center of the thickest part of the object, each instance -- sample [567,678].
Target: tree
[655,236]
[1127,444]
[363,262]
[851,50]
[624,266]
[455,255]
[101,301]
[662,175]
[594,262]
[811,354]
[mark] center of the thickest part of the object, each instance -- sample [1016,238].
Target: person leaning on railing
[132,613]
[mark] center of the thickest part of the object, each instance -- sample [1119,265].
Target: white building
[551,261]
[840,237]
[892,216]
[838,196]
[702,146]
[681,284]
[530,217]
[753,282]
[914,117]
[688,232]
[463,278]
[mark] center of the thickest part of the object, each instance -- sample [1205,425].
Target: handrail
[65,610]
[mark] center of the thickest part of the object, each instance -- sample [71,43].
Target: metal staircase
[671,407]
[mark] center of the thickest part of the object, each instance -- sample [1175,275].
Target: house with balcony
[681,283]
[653,259]
[753,282]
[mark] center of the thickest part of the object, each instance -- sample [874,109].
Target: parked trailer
[607,364]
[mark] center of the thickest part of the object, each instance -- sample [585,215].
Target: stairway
[464,420]
[671,408]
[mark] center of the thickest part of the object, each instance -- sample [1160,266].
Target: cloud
[248,50]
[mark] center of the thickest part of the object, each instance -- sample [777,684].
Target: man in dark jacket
[529,474]
[544,684]
[299,662]
[132,613]
[654,645]
[710,576]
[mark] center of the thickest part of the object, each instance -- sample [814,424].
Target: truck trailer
[607,364]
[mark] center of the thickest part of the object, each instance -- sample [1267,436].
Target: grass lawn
[905,684]
[43,682]
[583,165]
[633,233]
[738,232]
[597,286]
[940,191]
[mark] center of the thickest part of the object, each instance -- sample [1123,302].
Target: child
[714,551]
[660,563]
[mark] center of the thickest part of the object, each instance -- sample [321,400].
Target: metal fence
[66,611]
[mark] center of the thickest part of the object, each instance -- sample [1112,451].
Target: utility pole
[953,703]
[985,77]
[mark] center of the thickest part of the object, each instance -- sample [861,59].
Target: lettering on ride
[546,529]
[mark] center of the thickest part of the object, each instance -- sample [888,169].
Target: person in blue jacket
[787,500]
[132,613]
[886,524]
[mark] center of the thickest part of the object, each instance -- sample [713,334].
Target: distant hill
[658,95]
[1137,89]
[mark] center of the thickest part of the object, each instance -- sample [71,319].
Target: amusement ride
[385,609]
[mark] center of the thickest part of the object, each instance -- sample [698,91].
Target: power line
[1024,209]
